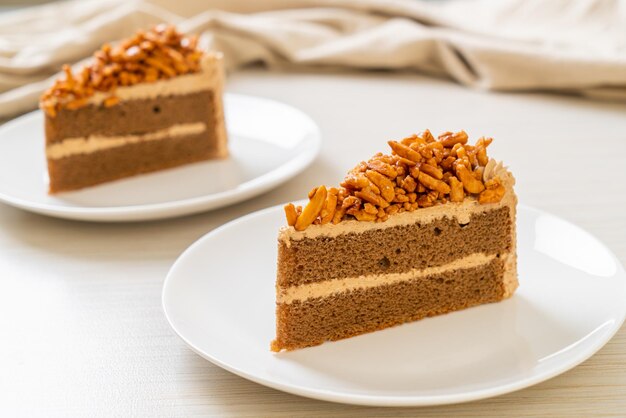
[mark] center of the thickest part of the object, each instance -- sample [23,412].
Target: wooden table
[81,326]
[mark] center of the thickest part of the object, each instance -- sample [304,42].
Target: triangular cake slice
[150,102]
[422,231]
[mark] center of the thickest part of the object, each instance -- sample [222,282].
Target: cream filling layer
[461,211]
[331,287]
[95,143]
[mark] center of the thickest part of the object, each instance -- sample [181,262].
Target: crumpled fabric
[567,46]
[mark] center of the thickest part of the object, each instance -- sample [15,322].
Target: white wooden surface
[81,327]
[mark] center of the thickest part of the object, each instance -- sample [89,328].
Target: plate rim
[182,207]
[386,400]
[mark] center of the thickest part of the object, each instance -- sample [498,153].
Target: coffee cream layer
[94,143]
[331,287]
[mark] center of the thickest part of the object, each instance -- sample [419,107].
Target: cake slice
[152,102]
[426,230]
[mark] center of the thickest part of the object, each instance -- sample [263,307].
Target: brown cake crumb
[148,56]
[420,172]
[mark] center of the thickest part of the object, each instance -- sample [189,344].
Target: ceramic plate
[269,143]
[219,298]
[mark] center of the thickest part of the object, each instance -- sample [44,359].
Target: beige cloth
[574,46]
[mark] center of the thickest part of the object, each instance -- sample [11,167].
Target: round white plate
[219,298]
[269,143]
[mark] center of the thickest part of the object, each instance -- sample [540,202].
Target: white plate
[269,143]
[219,297]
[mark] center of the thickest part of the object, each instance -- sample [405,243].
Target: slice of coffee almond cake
[425,230]
[151,102]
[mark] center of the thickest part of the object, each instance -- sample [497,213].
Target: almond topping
[312,209]
[159,53]
[421,172]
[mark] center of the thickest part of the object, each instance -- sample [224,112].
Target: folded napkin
[573,46]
